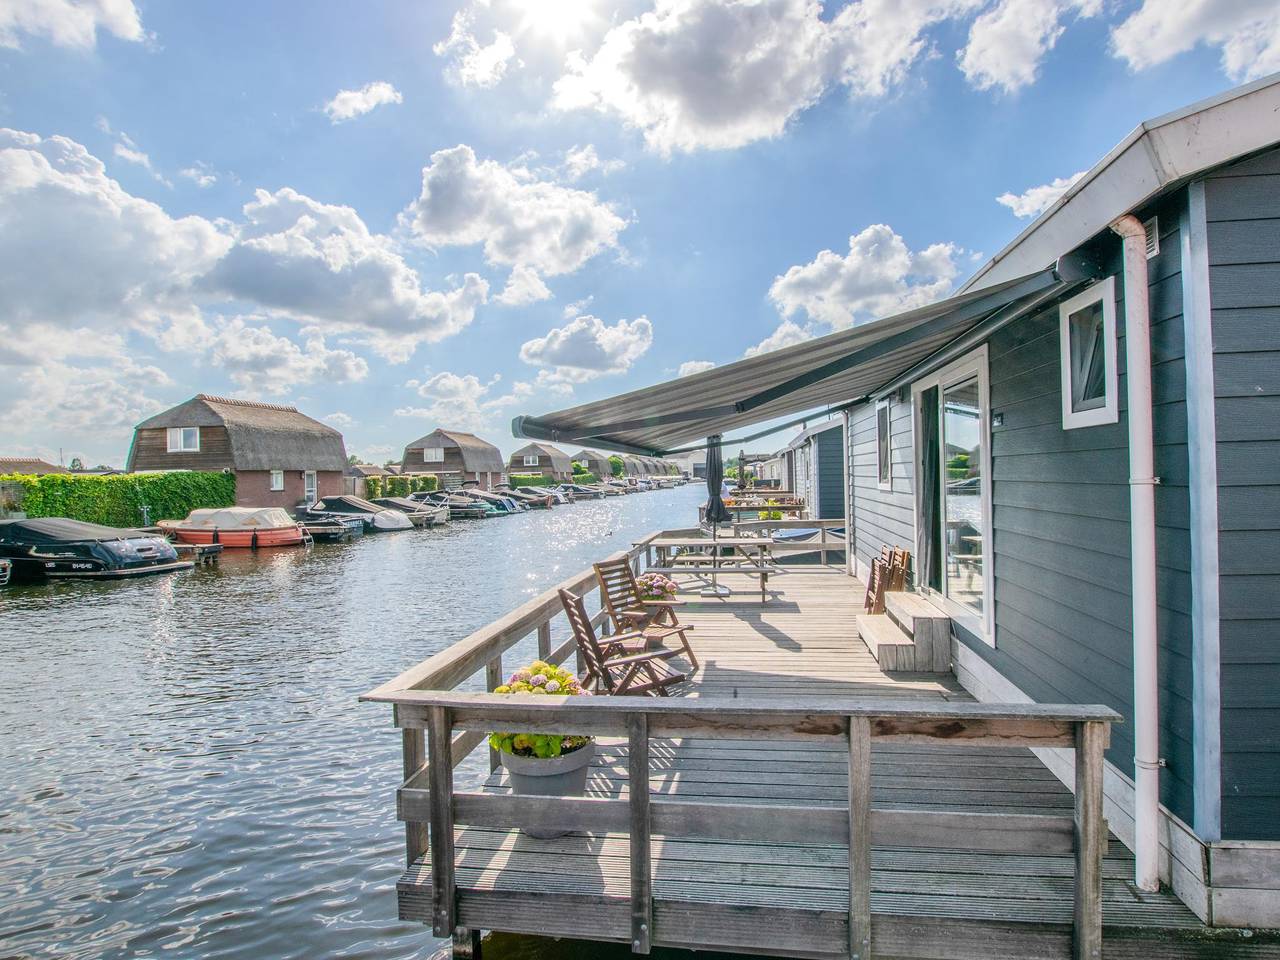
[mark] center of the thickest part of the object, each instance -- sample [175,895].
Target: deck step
[892,648]
[927,625]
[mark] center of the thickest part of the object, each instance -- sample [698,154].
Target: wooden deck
[789,895]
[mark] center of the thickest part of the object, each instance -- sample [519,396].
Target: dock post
[493,680]
[440,774]
[1090,841]
[466,944]
[859,838]
[414,745]
[641,869]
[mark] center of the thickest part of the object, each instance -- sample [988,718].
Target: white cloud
[690,367]
[586,348]
[338,419]
[68,23]
[1037,200]
[471,64]
[524,287]
[578,307]
[349,104]
[580,161]
[77,250]
[463,402]
[1008,42]
[319,263]
[1247,32]
[259,360]
[520,221]
[879,276]
[788,334]
[127,150]
[200,173]
[694,74]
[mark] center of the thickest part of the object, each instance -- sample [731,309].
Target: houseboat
[58,548]
[376,519]
[247,527]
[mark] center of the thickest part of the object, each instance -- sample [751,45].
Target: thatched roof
[560,461]
[29,465]
[478,456]
[263,436]
[366,470]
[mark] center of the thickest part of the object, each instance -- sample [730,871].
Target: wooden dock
[791,748]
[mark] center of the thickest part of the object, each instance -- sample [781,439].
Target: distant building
[597,463]
[280,457]
[357,473]
[455,458]
[542,459]
[815,469]
[29,465]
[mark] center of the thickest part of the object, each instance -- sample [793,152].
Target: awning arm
[781,426]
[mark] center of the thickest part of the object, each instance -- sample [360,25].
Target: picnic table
[705,559]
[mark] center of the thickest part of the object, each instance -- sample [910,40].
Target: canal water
[184,768]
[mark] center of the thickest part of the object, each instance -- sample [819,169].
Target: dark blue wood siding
[830,446]
[1243,212]
[1063,610]
[881,516]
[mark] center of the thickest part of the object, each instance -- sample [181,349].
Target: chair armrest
[642,657]
[663,603]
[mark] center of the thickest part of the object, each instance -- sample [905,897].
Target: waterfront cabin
[1081,450]
[544,460]
[31,466]
[817,469]
[280,456]
[771,472]
[597,463]
[455,458]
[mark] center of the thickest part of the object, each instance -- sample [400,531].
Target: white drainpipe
[1142,526]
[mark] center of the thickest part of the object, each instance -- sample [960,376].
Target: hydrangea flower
[538,679]
[552,686]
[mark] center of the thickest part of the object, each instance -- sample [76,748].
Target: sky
[398,216]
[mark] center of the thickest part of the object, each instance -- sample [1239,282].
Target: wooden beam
[413,798]
[414,747]
[504,810]
[443,888]
[1090,841]
[493,680]
[859,838]
[544,640]
[466,944]
[641,868]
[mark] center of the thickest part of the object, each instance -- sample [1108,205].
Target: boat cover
[48,530]
[344,503]
[238,518]
[402,503]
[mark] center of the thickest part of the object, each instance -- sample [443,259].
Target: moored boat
[56,547]
[6,568]
[420,514]
[460,508]
[376,519]
[247,527]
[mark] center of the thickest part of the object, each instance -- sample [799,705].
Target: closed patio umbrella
[716,512]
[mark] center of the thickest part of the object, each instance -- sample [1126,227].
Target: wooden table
[747,555]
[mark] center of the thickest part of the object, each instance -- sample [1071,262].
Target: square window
[183,439]
[277,480]
[531,460]
[1087,331]
[433,454]
[884,465]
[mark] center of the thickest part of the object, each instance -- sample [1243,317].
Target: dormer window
[530,459]
[184,439]
[1087,332]
[433,454]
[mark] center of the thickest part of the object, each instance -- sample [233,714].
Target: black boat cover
[399,503]
[48,530]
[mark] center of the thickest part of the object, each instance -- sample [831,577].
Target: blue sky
[401,216]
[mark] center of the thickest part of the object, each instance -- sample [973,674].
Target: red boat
[250,527]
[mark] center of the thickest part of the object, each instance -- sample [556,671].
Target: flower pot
[562,776]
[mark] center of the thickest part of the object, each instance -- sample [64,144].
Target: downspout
[1142,528]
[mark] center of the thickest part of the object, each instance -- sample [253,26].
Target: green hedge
[530,480]
[117,500]
[615,465]
[394,486]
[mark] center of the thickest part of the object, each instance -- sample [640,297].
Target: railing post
[1089,840]
[859,838]
[443,887]
[544,640]
[641,870]
[493,680]
[822,552]
[414,746]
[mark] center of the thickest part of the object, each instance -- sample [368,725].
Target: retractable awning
[838,369]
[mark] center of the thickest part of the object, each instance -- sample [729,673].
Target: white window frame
[531,460]
[433,454]
[1103,292]
[277,481]
[310,486]
[175,440]
[884,468]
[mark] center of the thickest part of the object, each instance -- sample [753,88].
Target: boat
[505,505]
[556,495]
[333,529]
[530,497]
[582,491]
[376,519]
[57,547]
[6,568]
[250,527]
[420,514]
[460,508]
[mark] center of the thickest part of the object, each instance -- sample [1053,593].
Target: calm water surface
[184,768]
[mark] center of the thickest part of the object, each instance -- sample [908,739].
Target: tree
[76,464]
[352,460]
[615,465]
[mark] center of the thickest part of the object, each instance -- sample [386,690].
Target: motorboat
[420,514]
[248,527]
[57,547]
[505,504]
[582,491]
[529,497]
[557,495]
[6,569]
[376,519]
[460,508]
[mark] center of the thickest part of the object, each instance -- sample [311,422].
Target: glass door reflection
[962,500]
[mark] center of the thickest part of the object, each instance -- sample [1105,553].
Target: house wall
[544,468]
[253,488]
[881,516]
[452,472]
[829,454]
[1242,210]
[150,451]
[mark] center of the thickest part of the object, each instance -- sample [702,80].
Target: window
[433,454]
[277,479]
[530,459]
[1087,340]
[884,465]
[184,439]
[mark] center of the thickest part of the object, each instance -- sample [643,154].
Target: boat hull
[245,539]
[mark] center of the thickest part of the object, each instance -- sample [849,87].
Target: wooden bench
[704,570]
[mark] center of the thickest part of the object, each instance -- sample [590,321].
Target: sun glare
[558,20]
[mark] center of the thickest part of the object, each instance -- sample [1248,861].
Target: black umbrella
[716,512]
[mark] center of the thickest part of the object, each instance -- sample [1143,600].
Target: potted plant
[545,764]
[654,586]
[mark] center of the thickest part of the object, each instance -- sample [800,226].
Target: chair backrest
[873,602]
[584,635]
[618,589]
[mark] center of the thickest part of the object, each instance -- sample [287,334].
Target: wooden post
[414,745]
[544,640]
[493,680]
[641,870]
[822,552]
[440,777]
[1089,841]
[466,944]
[859,838]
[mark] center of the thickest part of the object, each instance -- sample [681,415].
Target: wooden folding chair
[610,667]
[899,560]
[656,619]
[873,602]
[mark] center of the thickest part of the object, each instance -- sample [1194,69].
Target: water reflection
[184,768]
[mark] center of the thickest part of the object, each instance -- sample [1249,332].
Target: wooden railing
[824,543]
